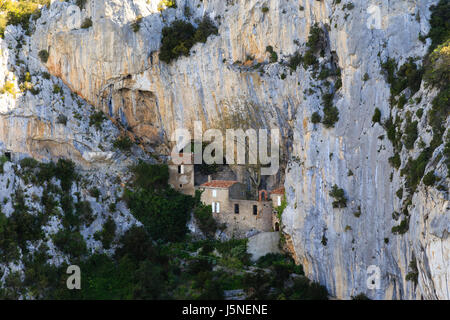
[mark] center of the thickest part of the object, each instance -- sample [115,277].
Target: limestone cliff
[117,69]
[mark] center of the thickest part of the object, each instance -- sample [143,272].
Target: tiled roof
[278,191]
[219,183]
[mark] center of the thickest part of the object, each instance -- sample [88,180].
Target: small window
[181,186]
[215,207]
[214,193]
[279,200]
[181,169]
[236,208]
[255,210]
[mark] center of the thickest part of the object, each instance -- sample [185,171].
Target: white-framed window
[214,193]
[279,201]
[215,207]
[181,169]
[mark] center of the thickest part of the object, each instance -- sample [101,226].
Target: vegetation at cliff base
[163,211]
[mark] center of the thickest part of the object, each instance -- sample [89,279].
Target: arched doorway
[261,193]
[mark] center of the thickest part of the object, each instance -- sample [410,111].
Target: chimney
[209,178]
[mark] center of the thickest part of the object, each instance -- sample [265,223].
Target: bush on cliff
[178,38]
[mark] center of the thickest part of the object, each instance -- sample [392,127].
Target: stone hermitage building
[229,201]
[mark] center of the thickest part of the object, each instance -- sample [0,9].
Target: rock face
[118,71]
[263,243]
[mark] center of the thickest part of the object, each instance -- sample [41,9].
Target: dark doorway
[277,226]
[8,155]
[236,208]
[255,210]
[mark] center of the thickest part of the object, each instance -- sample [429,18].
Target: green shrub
[265,9]
[446,153]
[70,243]
[81,3]
[357,214]
[295,61]
[411,133]
[429,179]
[43,55]
[395,160]
[376,116]
[94,192]
[316,38]
[339,196]
[107,234]
[136,25]
[96,119]
[83,210]
[180,37]
[413,275]
[256,285]
[205,28]
[136,244]
[123,143]
[56,89]
[167,4]
[402,228]
[150,176]
[437,72]
[349,6]
[280,208]
[305,289]
[164,213]
[438,115]
[401,101]
[19,13]
[273,54]
[65,172]
[408,75]
[309,59]
[3,160]
[87,23]
[315,117]
[419,113]
[414,169]
[8,87]
[330,116]
[439,24]
[62,119]
[206,221]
